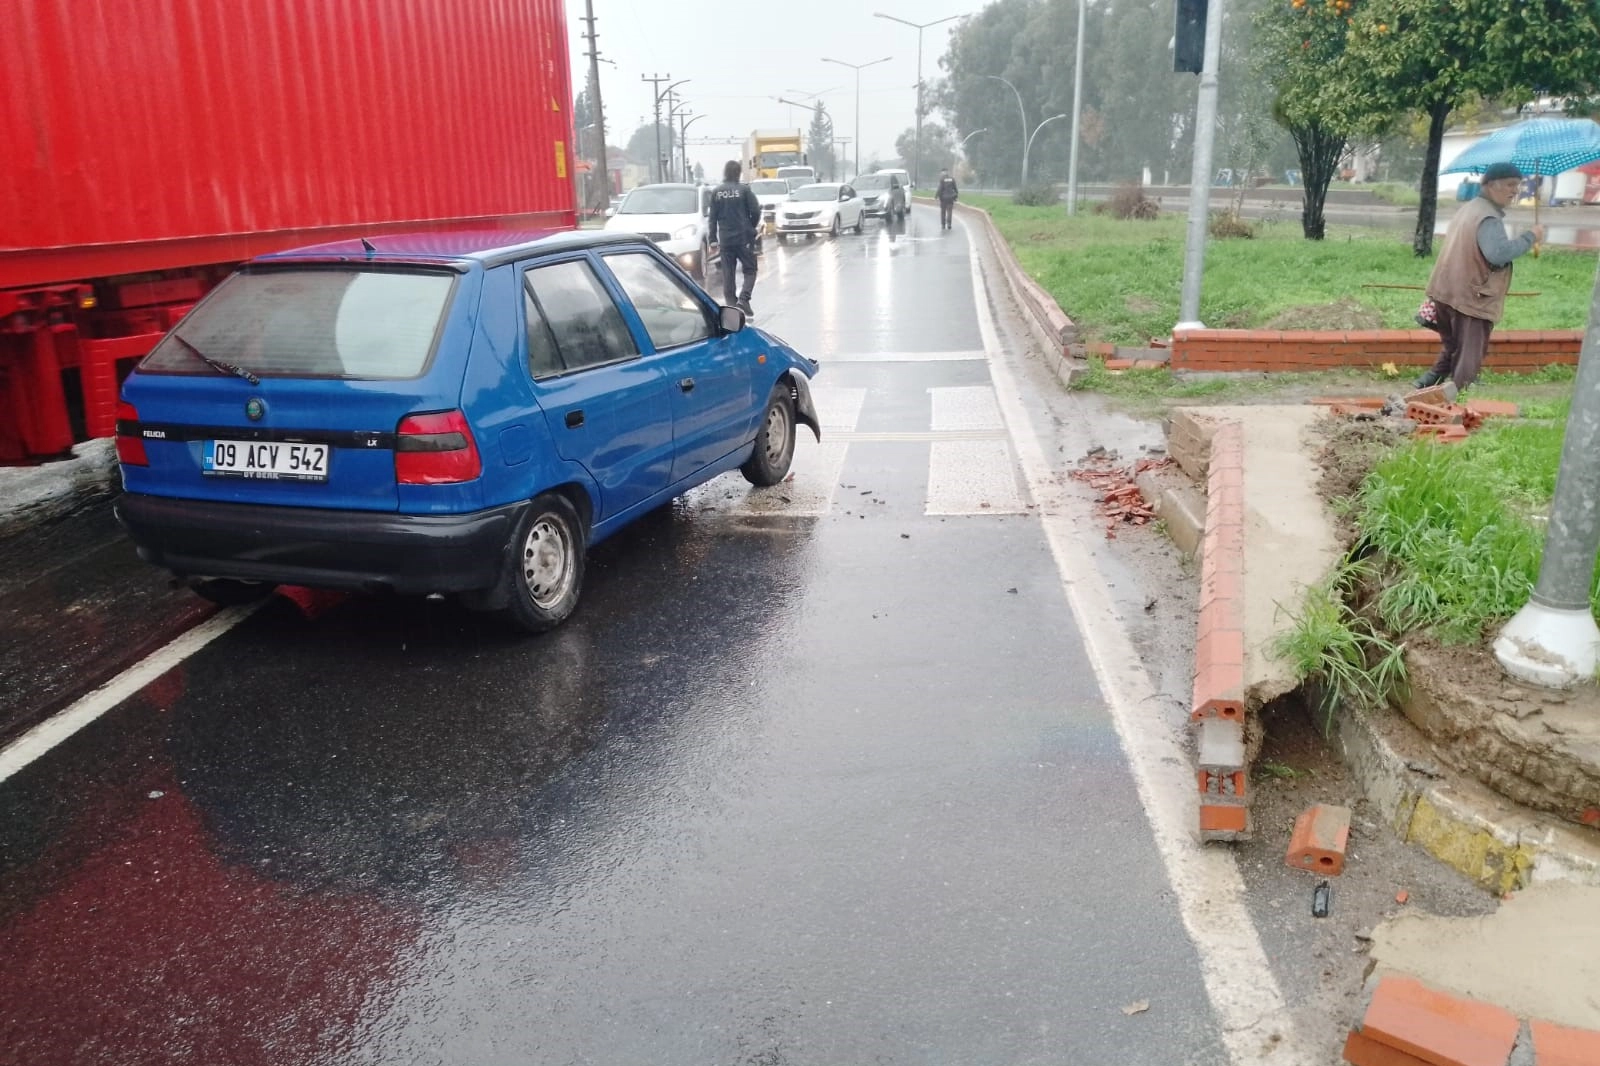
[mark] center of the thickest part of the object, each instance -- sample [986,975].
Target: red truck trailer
[148,146]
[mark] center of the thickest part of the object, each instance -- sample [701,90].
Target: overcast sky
[783,48]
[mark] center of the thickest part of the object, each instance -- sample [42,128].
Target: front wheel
[861,222]
[769,463]
[833,230]
[698,271]
[544,574]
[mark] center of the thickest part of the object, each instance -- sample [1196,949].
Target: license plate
[266,460]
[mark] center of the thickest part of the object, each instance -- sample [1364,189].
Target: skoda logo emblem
[254,408]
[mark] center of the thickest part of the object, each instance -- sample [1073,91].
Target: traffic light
[1189,42]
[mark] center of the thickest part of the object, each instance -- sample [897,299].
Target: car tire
[833,230]
[227,592]
[861,223]
[775,437]
[545,564]
[698,271]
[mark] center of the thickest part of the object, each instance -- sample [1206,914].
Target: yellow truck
[767,150]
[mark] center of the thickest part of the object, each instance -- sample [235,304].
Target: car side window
[543,358]
[672,315]
[583,320]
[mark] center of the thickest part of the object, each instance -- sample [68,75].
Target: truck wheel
[544,574]
[769,463]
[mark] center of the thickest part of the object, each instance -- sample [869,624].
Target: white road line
[966,407]
[967,477]
[998,433]
[1251,1014]
[902,357]
[58,727]
[839,409]
[817,469]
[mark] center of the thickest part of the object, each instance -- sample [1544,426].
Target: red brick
[1439,1028]
[1557,1045]
[1224,818]
[1363,1051]
[1321,835]
[1215,787]
[1101,348]
[1493,408]
[1443,434]
[1149,364]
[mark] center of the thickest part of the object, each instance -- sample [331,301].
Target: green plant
[1036,196]
[1280,772]
[1338,648]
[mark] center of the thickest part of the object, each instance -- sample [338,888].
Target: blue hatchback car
[460,414]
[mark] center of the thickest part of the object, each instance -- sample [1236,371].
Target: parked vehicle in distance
[770,193]
[804,175]
[460,414]
[875,191]
[673,215]
[828,207]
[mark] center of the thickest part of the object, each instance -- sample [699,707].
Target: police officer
[947,195]
[735,222]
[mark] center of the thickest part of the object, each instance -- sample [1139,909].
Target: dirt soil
[1351,448]
[1347,313]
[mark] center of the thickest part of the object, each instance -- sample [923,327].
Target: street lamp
[962,146]
[807,96]
[858,68]
[817,110]
[1023,114]
[683,133]
[660,171]
[916,149]
[1029,146]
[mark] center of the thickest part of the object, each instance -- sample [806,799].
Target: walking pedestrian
[735,223]
[1472,275]
[947,194]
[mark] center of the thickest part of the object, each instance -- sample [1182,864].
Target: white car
[673,216]
[770,193]
[828,207]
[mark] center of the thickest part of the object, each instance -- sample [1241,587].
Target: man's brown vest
[1462,277]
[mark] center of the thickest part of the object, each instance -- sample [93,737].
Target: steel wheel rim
[547,562]
[776,438]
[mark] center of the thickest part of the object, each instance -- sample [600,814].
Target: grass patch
[1459,527]
[1120,280]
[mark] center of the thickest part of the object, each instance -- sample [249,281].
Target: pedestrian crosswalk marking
[966,407]
[839,410]
[809,493]
[972,477]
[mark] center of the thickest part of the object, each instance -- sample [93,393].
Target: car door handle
[687,384]
[574,419]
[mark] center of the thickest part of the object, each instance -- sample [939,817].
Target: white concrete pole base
[1549,647]
[1183,327]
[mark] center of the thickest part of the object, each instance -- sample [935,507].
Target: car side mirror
[611,212]
[731,319]
[843,197]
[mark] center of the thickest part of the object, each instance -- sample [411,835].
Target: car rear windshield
[314,323]
[817,192]
[770,187]
[872,181]
[649,201]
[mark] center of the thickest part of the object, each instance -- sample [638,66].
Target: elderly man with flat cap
[1472,276]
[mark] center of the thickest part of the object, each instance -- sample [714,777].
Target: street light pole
[655,80]
[858,68]
[1553,640]
[1028,148]
[816,109]
[1021,113]
[916,150]
[683,143]
[1077,112]
[1205,132]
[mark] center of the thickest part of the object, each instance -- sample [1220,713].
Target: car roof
[458,250]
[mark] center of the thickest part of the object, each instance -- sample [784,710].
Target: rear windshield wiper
[217,364]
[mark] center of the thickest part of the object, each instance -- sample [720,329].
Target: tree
[938,150]
[819,141]
[642,145]
[1433,57]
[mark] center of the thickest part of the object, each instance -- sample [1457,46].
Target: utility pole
[1553,640]
[916,150]
[1077,112]
[604,196]
[1205,132]
[655,80]
[818,109]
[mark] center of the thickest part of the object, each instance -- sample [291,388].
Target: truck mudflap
[805,412]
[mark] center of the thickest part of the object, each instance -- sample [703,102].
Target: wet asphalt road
[816,775]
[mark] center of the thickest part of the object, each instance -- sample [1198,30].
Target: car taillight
[435,449]
[130,446]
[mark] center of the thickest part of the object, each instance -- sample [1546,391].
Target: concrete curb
[1475,831]
[1179,504]
[30,495]
[1050,326]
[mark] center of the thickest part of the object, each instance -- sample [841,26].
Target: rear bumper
[359,550]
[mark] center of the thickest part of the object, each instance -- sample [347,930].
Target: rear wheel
[226,592]
[769,463]
[544,575]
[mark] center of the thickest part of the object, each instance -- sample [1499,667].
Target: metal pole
[858,68]
[1027,149]
[604,196]
[655,81]
[1205,132]
[1553,640]
[916,162]
[1077,112]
